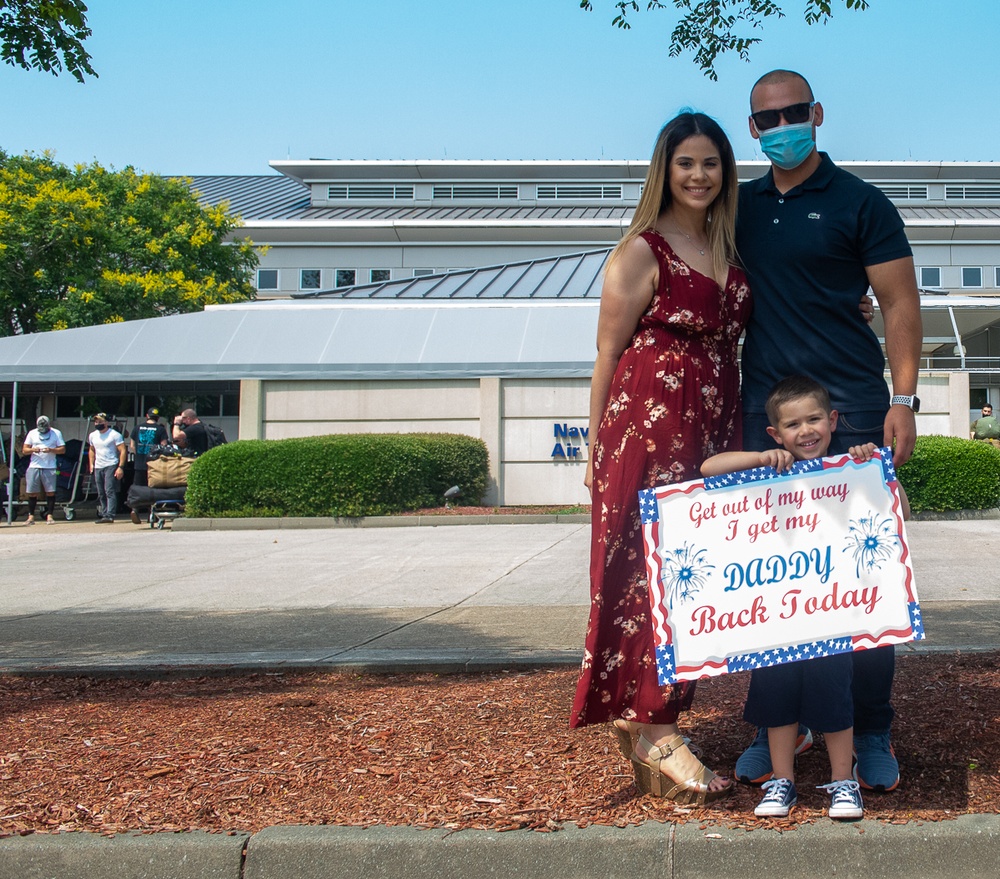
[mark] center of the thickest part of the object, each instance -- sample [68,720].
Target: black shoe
[105,521]
[135,518]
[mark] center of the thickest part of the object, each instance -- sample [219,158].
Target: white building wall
[535,429]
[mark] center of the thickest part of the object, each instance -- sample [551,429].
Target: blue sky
[224,86]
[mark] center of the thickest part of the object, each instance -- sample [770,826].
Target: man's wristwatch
[903,400]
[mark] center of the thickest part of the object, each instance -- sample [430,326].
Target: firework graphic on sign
[685,573]
[871,541]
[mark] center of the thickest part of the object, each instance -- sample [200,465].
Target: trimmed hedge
[951,473]
[340,475]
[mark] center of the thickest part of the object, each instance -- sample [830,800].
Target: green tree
[45,35]
[86,245]
[708,27]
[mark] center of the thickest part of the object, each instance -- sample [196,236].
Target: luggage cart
[165,504]
[165,511]
[82,485]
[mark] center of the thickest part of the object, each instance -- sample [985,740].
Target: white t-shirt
[52,440]
[105,447]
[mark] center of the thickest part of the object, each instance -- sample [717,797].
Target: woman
[664,397]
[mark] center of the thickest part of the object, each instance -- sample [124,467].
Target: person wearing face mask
[107,464]
[813,238]
[43,444]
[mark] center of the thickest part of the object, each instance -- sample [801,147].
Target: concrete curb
[384,662]
[307,522]
[955,515]
[304,522]
[966,847]
[191,855]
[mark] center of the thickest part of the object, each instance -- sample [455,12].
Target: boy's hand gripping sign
[756,568]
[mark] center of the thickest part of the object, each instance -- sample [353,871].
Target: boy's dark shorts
[816,692]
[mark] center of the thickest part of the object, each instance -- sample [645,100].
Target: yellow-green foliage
[341,475]
[951,473]
[87,245]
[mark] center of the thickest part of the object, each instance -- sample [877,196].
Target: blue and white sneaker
[779,799]
[845,799]
[754,764]
[876,767]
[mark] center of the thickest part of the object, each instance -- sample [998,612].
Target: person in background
[986,427]
[107,464]
[43,443]
[189,432]
[144,439]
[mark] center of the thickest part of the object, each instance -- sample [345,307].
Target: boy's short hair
[793,388]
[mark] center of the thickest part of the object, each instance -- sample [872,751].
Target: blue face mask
[788,146]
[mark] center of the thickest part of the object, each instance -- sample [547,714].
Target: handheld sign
[754,568]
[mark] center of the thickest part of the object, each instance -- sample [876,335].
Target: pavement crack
[460,602]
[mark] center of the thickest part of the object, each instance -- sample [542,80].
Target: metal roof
[574,276]
[254,197]
[259,198]
[519,331]
[319,340]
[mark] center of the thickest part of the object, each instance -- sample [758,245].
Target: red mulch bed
[243,752]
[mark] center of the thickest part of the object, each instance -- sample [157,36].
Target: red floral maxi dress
[674,402]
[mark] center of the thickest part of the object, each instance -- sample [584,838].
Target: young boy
[816,692]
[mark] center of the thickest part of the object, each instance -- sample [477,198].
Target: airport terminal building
[463,296]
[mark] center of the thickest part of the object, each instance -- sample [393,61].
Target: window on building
[930,276]
[996,277]
[230,404]
[420,273]
[346,277]
[69,407]
[267,279]
[309,279]
[378,276]
[207,405]
[116,406]
[972,276]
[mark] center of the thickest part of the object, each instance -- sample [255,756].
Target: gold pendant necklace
[689,238]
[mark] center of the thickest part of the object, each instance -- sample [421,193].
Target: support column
[491,433]
[251,409]
[958,404]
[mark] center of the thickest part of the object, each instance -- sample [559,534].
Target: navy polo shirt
[805,253]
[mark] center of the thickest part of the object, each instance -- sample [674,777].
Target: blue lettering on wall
[565,434]
[565,431]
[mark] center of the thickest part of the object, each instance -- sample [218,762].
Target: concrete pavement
[83,598]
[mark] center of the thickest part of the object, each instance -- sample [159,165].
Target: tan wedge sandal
[627,736]
[654,777]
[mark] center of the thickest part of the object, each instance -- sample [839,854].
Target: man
[189,432]
[43,444]
[813,239]
[143,440]
[986,427]
[107,464]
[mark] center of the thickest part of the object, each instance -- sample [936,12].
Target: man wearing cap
[144,439]
[107,464]
[43,444]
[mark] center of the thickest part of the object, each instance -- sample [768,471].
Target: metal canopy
[295,341]
[536,318]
